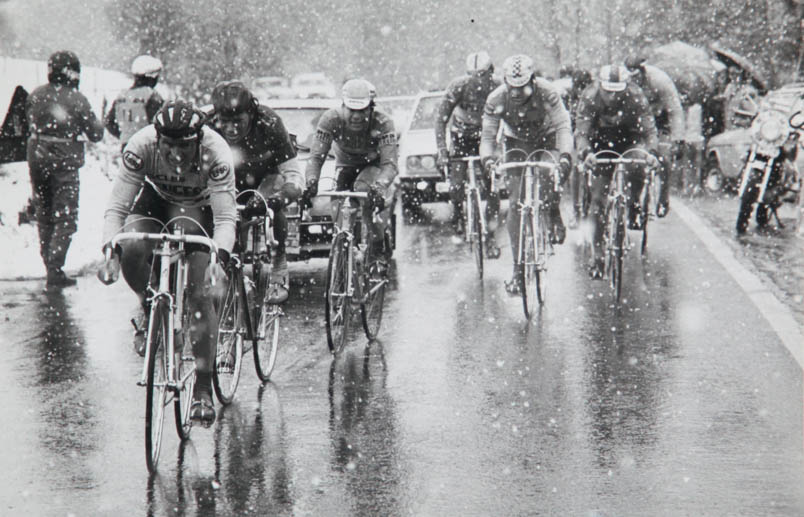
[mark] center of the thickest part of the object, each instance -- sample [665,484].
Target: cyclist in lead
[364,143]
[533,117]
[174,167]
[264,160]
[464,101]
[668,114]
[134,108]
[613,114]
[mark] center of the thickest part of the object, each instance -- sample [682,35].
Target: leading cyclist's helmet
[180,120]
[613,78]
[478,62]
[357,94]
[233,98]
[63,67]
[518,70]
[146,66]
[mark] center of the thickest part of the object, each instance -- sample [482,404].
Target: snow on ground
[19,244]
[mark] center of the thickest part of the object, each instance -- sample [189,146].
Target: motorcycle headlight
[771,129]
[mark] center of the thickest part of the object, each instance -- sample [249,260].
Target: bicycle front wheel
[476,236]
[229,347]
[338,303]
[530,270]
[156,398]
[615,230]
[374,282]
[267,340]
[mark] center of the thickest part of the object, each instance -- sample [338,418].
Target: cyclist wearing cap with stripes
[463,102]
[533,117]
[176,167]
[364,143]
[614,114]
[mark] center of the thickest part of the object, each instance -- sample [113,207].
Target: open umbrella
[691,69]
[731,58]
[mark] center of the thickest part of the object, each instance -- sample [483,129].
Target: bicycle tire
[529,274]
[266,346]
[371,309]
[476,239]
[229,345]
[337,302]
[185,373]
[156,397]
[616,247]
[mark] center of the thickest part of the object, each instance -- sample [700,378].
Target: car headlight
[428,162]
[414,162]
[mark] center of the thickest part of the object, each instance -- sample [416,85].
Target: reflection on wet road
[680,401]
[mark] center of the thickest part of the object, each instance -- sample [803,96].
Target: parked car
[272,87]
[726,152]
[312,86]
[420,181]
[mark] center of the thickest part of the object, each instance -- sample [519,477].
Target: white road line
[778,315]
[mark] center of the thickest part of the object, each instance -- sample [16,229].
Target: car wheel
[713,175]
[411,206]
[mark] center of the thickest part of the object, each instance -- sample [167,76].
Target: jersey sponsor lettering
[219,172]
[132,161]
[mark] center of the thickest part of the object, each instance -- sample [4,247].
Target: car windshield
[301,122]
[425,114]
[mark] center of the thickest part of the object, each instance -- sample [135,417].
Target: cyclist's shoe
[277,293]
[457,222]
[492,250]
[558,232]
[662,208]
[140,325]
[279,269]
[514,287]
[202,408]
[379,269]
[636,220]
[596,269]
[57,278]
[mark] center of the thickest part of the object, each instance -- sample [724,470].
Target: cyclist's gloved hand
[677,149]
[290,192]
[276,204]
[376,196]
[564,166]
[310,191]
[215,275]
[488,164]
[254,208]
[443,158]
[653,162]
[588,158]
[109,271]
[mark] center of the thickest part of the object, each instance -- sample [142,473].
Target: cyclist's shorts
[272,183]
[149,204]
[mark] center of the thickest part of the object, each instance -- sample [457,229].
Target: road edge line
[774,311]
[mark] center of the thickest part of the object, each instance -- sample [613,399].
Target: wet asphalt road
[681,401]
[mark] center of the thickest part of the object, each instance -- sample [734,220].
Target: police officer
[58,114]
[135,108]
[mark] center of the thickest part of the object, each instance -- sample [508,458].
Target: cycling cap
[613,78]
[147,66]
[478,62]
[179,119]
[518,70]
[357,94]
[635,61]
[233,98]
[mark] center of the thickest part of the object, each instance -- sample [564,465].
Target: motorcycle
[769,177]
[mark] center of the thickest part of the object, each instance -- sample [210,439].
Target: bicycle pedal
[141,383]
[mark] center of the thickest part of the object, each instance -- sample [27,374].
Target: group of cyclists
[183,165]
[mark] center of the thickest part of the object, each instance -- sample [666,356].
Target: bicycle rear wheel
[156,398]
[229,347]
[374,282]
[476,235]
[338,303]
[615,229]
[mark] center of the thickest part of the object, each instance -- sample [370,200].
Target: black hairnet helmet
[63,67]
[233,98]
[179,119]
[635,61]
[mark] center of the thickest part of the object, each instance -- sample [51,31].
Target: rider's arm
[111,121]
[492,115]
[451,99]
[293,184]
[271,128]
[221,187]
[126,185]
[584,118]
[91,125]
[645,121]
[671,102]
[155,102]
[322,143]
[387,149]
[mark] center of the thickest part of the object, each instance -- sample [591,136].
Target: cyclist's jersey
[464,102]
[211,182]
[132,110]
[664,100]
[57,116]
[540,117]
[627,122]
[261,152]
[375,145]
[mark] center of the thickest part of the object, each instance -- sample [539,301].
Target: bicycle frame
[472,190]
[344,224]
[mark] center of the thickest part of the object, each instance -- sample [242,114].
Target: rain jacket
[132,110]
[464,101]
[375,145]
[211,182]
[664,100]
[541,116]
